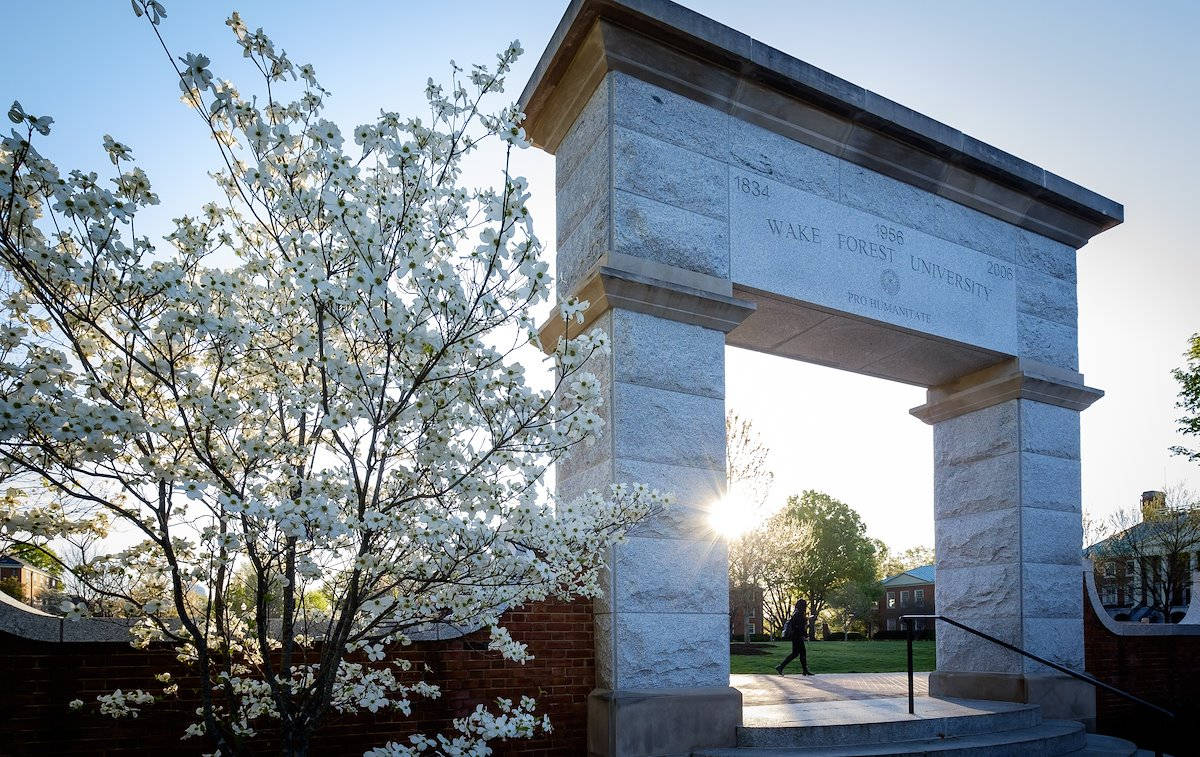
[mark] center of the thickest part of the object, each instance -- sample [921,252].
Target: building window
[1109,595]
[919,597]
[904,599]
[750,629]
[891,602]
[891,624]
[1110,570]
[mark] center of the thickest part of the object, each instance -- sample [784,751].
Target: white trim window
[891,624]
[891,596]
[904,599]
[919,597]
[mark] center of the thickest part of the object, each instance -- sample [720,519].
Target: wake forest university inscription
[804,246]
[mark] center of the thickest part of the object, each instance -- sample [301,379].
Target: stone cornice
[621,281]
[1016,378]
[682,51]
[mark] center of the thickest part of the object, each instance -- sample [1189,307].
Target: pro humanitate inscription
[796,243]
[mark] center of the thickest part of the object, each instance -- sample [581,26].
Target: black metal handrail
[907,620]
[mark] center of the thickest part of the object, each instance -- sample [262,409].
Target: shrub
[13,588]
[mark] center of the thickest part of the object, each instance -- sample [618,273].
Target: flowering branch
[340,416]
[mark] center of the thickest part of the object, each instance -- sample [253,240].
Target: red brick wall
[1164,670]
[38,679]
[739,598]
[894,613]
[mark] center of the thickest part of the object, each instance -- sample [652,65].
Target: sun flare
[730,518]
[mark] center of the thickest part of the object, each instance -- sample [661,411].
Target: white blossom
[322,445]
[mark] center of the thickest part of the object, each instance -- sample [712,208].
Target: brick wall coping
[1191,626]
[19,619]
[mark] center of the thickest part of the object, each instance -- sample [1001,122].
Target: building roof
[923,574]
[1142,532]
[14,561]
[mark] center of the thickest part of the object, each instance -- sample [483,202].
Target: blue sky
[1106,94]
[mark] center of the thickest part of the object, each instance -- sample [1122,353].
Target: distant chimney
[1153,504]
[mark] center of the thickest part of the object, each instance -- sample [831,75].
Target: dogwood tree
[339,409]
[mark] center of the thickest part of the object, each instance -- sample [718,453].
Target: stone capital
[629,283]
[1016,378]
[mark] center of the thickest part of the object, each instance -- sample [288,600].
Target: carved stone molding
[655,289]
[682,51]
[1016,378]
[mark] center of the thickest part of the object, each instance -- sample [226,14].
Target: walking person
[794,629]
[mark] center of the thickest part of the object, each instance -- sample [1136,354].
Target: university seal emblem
[889,281]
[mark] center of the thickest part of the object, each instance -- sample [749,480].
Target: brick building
[33,580]
[908,593]
[1129,564]
[745,611]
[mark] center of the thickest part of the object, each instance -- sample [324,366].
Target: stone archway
[712,190]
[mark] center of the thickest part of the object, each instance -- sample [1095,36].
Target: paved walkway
[773,689]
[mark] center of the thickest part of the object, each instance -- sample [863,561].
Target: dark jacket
[795,626]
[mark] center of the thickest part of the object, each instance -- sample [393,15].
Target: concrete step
[1107,746]
[878,721]
[1048,739]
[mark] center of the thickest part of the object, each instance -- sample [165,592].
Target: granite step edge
[1051,738]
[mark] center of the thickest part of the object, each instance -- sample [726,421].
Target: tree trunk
[295,745]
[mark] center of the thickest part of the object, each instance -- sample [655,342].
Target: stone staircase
[942,727]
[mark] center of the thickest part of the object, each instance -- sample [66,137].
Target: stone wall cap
[21,620]
[1125,628]
[738,54]
[24,621]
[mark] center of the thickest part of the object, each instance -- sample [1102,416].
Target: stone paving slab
[1055,737]
[861,712]
[828,687]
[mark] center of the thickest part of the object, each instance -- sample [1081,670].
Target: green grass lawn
[839,657]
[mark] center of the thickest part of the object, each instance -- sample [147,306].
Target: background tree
[748,473]
[13,587]
[39,556]
[1095,528]
[777,547]
[893,563]
[340,406]
[839,550]
[1158,540]
[89,581]
[855,602]
[748,479]
[1189,397]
